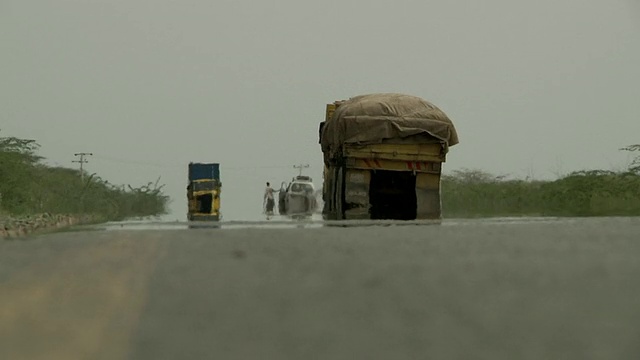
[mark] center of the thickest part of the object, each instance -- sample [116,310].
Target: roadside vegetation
[475,193]
[29,187]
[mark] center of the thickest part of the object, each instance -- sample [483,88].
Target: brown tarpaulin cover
[378,118]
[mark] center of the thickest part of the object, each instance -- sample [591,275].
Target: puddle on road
[316,221]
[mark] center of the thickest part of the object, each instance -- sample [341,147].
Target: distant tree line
[27,186]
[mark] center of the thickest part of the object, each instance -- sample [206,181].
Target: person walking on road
[269,201]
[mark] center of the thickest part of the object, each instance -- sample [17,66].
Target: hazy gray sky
[533,87]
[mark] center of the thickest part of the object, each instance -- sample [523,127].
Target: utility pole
[82,161]
[301,166]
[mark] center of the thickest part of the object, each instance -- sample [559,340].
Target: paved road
[462,290]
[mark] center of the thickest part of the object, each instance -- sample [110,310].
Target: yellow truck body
[203,192]
[204,204]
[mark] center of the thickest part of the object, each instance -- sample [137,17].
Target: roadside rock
[20,226]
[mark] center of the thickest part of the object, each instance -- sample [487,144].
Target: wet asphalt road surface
[557,289]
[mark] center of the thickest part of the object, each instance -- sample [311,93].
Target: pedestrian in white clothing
[269,199]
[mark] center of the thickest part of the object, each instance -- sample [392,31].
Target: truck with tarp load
[203,192]
[383,156]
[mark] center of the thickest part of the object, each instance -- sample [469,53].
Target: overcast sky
[534,88]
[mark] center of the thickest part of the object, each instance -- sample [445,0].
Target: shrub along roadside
[474,193]
[28,188]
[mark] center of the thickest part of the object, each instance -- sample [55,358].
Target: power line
[136,162]
[181,165]
[82,161]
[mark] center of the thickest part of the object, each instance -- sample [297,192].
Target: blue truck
[203,192]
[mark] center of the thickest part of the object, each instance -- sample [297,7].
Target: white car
[298,198]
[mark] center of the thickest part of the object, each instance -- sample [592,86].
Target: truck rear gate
[384,194]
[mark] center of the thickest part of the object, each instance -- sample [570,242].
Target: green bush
[473,193]
[28,187]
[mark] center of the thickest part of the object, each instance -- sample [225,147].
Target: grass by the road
[474,193]
[27,187]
